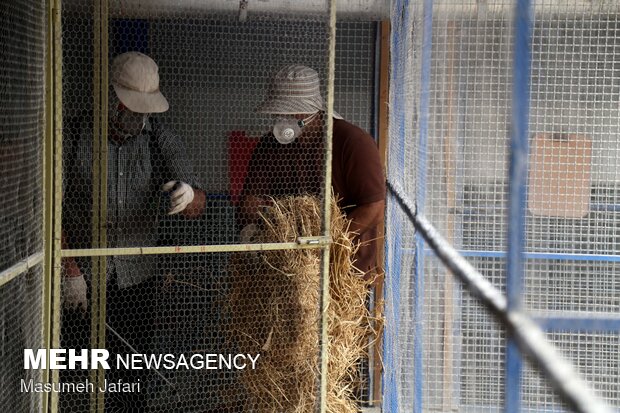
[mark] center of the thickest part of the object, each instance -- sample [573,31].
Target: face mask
[126,122]
[286,130]
[131,123]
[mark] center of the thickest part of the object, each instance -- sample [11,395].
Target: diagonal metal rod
[109,327]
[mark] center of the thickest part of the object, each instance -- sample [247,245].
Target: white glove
[74,293]
[181,196]
[248,234]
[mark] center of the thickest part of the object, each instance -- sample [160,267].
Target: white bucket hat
[295,89]
[135,79]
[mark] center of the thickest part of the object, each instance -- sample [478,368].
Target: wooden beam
[383,136]
[450,170]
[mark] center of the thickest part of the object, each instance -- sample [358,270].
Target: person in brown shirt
[289,160]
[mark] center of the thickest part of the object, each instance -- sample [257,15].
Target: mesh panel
[400,290]
[460,183]
[355,72]
[22,97]
[214,71]
[594,355]
[467,152]
[355,100]
[22,94]
[20,328]
[574,97]
[205,65]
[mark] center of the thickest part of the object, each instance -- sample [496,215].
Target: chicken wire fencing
[22,98]
[181,283]
[450,127]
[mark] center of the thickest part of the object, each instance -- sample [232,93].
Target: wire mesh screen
[22,94]
[594,355]
[572,186]
[575,95]
[468,133]
[219,76]
[20,328]
[462,188]
[458,142]
[355,85]
[400,378]
[215,73]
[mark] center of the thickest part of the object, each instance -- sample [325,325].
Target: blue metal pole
[582,324]
[517,194]
[394,247]
[425,83]
[458,220]
[392,331]
[531,255]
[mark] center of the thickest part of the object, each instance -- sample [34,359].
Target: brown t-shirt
[357,179]
[296,169]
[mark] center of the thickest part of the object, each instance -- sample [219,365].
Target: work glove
[74,293]
[249,234]
[181,196]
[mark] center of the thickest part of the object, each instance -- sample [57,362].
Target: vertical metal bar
[57,193]
[450,173]
[100,164]
[517,193]
[374,368]
[425,80]
[327,191]
[514,368]
[48,193]
[382,70]
[103,174]
[459,223]
[96,272]
[391,385]
[376,87]
[48,189]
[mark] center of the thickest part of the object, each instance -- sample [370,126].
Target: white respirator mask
[286,130]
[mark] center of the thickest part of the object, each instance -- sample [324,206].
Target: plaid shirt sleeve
[173,154]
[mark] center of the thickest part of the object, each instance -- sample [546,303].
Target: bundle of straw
[275,311]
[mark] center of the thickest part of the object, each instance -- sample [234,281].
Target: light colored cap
[295,89]
[135,79]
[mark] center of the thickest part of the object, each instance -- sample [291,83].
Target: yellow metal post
[102,96]
[100,174]
[48,193]
[450,149]
[96,273]
[55,197]
[103,218]
[331,67]
[48,173]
